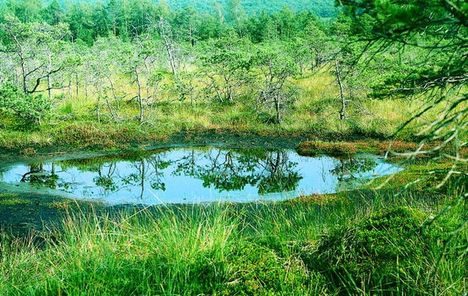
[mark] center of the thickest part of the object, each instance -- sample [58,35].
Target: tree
[276,68]
[235,12]
[172,50]
[25,10]
[226,63]
[80,21]
[28,110]
[318,42]
[104,66]
[36,51]
[437,29]
[35,56]
[53,14]
[141,65]
[186,22]
[350,78]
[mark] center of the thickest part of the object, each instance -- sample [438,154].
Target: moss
[257,270]
[383,252]
[396,146]
[320,199]
[328,148]
[84,135]
[7,199]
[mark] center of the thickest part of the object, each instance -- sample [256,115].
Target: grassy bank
[367,243]
[66,136]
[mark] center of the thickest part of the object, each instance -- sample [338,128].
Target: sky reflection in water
[197,176]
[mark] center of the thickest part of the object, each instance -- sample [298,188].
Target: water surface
[195,175]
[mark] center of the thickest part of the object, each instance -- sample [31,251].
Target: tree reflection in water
[348,169]
[38,176]
[150,169]
[225,170]
[200,174]
[229,170]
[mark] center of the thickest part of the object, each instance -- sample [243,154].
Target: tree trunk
[49,82]
[98,105]
[341,87]
[77,90]
[165,35]
[278,109]
[139,97]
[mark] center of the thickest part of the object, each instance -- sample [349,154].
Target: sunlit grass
[226,250]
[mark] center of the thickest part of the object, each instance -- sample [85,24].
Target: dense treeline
[127,19]
[323,8]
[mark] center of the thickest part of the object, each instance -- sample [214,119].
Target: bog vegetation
[114,74]
[138,63]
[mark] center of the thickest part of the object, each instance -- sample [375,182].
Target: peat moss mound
[386,253]
[257,270]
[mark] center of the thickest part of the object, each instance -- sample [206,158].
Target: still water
[195,175]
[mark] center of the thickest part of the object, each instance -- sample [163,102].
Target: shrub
[29,110]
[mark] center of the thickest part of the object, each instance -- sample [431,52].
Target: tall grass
[256,249]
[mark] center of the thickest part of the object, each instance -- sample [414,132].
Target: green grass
[247,250]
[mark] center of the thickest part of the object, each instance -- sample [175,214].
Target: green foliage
[191,20]
[227,63]
[430,40]
[29,110]
[323,8]
[277,68]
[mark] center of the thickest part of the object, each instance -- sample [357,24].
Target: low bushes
[257,270]
[27,110]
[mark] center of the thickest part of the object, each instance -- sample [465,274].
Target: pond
[194,175]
